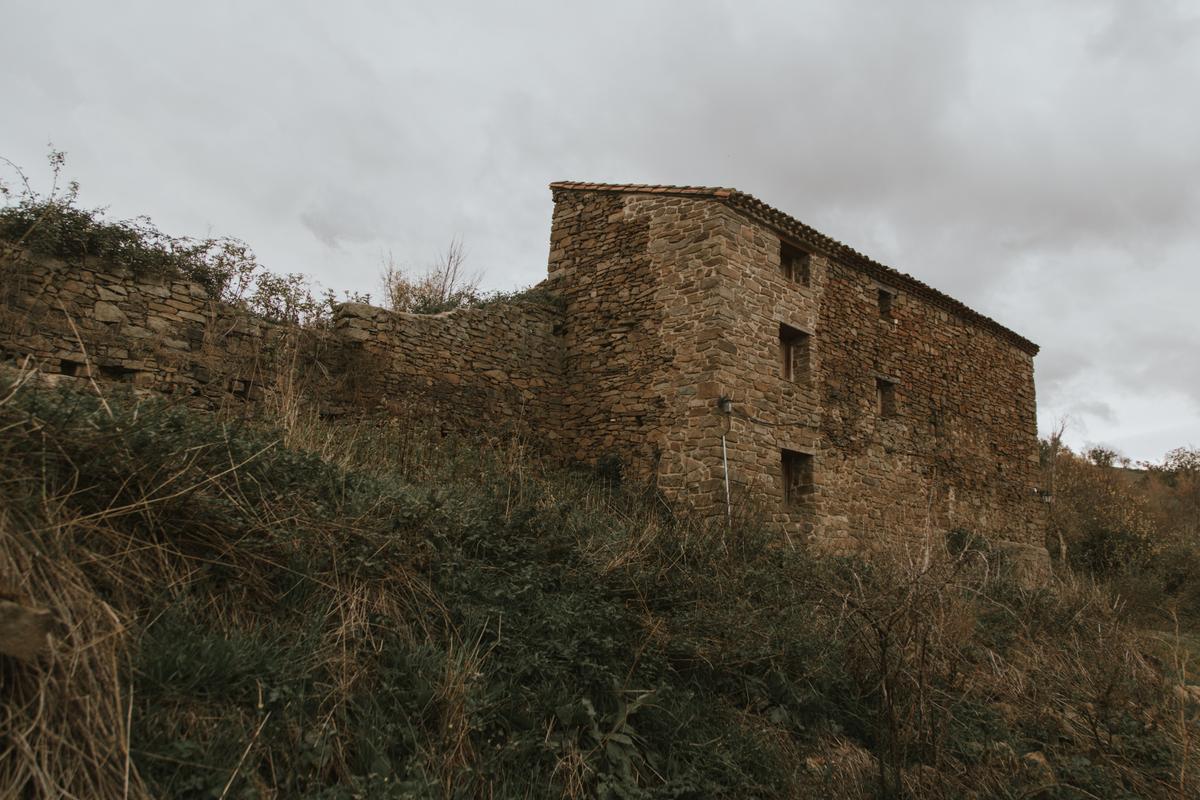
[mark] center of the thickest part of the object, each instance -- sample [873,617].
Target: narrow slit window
[885,397]
[794,350]
[885,304]
[797,478]
[795,264]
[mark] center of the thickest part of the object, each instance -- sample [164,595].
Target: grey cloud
[1093,408]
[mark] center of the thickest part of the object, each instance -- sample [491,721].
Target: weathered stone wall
[632,272]
[958,450]
[496,369]
[645,281]
[100,321]
[675,300]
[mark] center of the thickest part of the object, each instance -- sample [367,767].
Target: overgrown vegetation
[445,286]
[377,611]
[1136,527]
[51,224]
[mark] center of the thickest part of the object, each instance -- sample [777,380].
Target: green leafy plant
[52,225]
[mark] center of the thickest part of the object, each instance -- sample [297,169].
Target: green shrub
[53,226]
[58,229]
[1106,552]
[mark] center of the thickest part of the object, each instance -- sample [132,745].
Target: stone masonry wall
[474,370]
[670,299]
[637,275]
[100,321]
[959,449]
[496,369]
[674,301]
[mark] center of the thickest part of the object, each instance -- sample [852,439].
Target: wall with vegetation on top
[656,305]
[95,319]
[485,369]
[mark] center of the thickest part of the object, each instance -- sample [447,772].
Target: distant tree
[1178,500]
[1101,518]
[1182,461]
[1048,452]
[1102,456]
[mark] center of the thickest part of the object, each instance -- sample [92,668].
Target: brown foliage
[443,286]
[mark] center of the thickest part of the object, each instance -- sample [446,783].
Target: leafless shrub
[441,287]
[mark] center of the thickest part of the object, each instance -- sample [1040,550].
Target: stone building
[710,344]
[712,341]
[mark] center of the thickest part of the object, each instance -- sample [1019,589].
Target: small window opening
[797,477]
[794,347]
[116,372]
[795,264]
[241,387]
[885,397]
[885,304]
[71,369]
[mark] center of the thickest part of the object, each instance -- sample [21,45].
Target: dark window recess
[72,368]
[241,387]
[795,264]
[885,398]
[794,347]
[797,477]
[885,304]
[116,372]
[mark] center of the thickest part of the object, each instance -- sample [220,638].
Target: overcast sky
[1038,160]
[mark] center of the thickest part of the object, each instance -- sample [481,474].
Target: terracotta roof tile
[809,236]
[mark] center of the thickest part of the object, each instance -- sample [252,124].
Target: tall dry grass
[309,608]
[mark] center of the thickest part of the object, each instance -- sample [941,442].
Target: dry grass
[374,606]
[66,722]
[67,718]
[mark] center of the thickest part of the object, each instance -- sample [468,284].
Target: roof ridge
[806,234]
[650,188]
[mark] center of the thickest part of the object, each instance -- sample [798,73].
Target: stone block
[1027,564]
[104,311]
[24,630]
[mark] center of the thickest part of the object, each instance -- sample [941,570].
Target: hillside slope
[372,611]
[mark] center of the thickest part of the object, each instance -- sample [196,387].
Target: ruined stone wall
[101,321]
[496,369]
[489,370]
[959,449]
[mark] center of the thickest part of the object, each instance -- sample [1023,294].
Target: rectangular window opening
[794,347]
[116,372]
[797,478]
[795,264]
[885,304]
[885,394]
